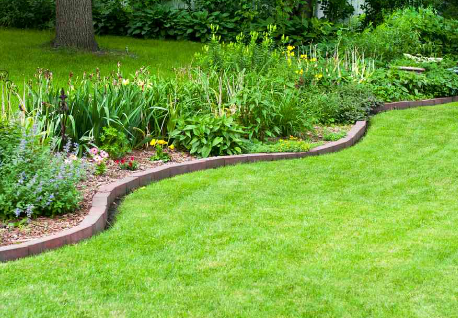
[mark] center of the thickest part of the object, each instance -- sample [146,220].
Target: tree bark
[74,25]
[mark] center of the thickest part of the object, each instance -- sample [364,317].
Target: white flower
[98,159]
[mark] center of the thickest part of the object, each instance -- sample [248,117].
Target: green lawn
[367,232]
[23,51]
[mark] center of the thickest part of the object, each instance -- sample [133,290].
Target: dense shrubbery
[37,14]
[33,181]
[192,20]
[342,105]
[414,31]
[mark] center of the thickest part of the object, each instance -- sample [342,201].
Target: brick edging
[96,221]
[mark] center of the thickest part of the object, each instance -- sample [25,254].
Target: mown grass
[367,232]
[23,51]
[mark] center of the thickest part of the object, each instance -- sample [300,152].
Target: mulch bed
[44,226]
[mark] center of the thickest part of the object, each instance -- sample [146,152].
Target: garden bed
[15,232]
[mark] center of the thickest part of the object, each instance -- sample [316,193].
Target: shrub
[397,85]
[27,13]
[344,104]
[207,135]
[410,30]
[34,182]
[114,142]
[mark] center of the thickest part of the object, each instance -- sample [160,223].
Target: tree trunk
[74,25]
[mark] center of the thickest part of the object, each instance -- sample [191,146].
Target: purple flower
[29,210]
[17,212]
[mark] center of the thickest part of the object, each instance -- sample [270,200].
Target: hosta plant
[208,135]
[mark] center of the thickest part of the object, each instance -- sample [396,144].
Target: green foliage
[130,164]
[208,135]
[100,168]
[160,155]
[33,181]
[397,85]
[282,145]
[342,105]
[336,10]
[134,106]
[114,142]
[37,14]
[375,10]
[259,82]
[415,31]
[10,134]
[333,136]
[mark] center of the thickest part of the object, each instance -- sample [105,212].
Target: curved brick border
[96,221]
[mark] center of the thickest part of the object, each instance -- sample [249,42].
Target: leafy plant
[160,155]
[208,135]
[35,182]
[114,142]
[343,104]
[333,136]
[99,157]
[129,164]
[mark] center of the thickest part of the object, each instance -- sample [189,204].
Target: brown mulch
[44,226]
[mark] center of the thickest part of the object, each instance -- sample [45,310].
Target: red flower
[130,163]
[117,162]
[123,161]
[132,158]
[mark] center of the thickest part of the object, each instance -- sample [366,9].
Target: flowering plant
[99,157]
[130,164]
[36,182]
[160,144]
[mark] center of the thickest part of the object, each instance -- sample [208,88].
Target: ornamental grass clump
[36,182]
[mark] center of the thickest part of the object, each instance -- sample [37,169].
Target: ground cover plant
[369,230]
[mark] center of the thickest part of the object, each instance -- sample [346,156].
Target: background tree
[74,25]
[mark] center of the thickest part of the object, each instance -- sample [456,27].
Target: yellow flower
[162,142]
[304,56]
[171,147]
[125,82]
[153,142]
[290,47]
[318,76]
[313,60]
